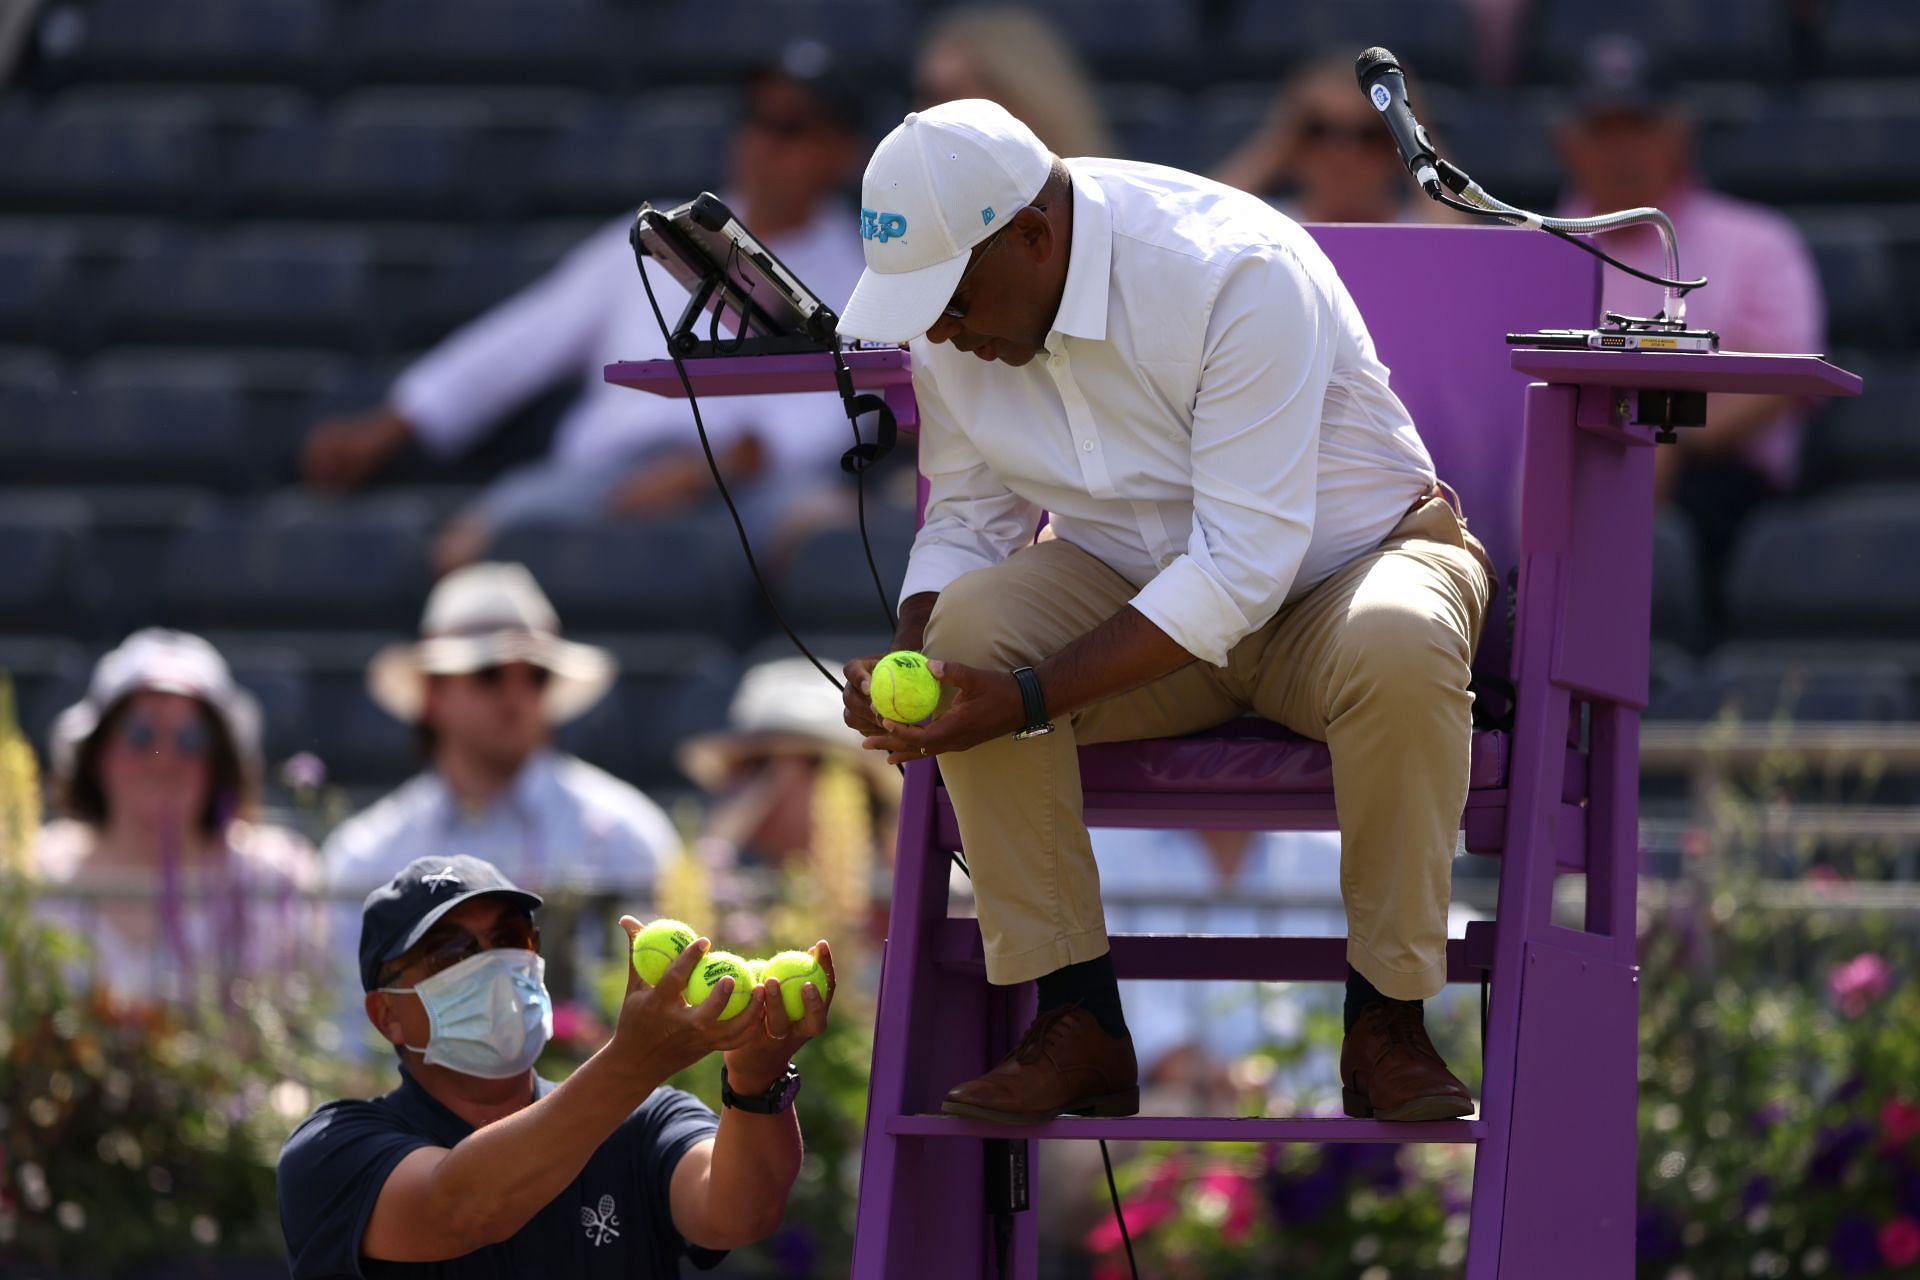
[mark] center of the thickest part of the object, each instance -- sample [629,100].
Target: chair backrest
[1439,302]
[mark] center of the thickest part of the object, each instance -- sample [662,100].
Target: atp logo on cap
[882,226]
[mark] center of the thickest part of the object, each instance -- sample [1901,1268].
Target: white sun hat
[944,180]
[486,615]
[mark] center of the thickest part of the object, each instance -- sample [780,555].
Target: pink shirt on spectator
[1763,294]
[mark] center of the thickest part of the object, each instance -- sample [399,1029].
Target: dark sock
[1361,994]
[1090,984]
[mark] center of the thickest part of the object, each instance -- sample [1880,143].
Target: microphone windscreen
[1372,62]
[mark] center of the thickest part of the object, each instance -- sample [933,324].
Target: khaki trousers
[1374,661]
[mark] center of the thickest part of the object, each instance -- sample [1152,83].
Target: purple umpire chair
[1556,476]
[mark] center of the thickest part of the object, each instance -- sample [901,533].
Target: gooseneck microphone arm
[1382,80]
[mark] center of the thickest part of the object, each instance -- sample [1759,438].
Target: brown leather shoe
[1389,1069]
[1066,1064]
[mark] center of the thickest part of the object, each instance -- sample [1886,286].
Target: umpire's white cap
[944,180]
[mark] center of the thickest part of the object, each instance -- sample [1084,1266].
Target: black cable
[860,500]
[1683,286]
[713,465]
[1119,1217]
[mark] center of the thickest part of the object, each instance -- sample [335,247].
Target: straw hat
[487,615]
[783,707]
[165,662]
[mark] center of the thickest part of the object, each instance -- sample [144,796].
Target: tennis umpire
[1242,516]
[477,1167]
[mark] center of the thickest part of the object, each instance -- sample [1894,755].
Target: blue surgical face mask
[488,1016]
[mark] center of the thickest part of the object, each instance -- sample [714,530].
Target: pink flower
[1157,1201]
[1859,982]
[1825,877]
[1899,1121]
[573,1021]
[1900,1242]
[1242,1206]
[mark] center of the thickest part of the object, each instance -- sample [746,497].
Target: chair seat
[1248,755]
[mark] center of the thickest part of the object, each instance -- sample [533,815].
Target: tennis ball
[658,945]
[903,690]
[795,969]
[758,970]
[707,975]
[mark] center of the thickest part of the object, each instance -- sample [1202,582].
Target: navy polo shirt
[615,1220]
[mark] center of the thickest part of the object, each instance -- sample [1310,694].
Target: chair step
[1324,1129]
[956,945]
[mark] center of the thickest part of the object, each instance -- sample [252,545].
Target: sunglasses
[189,741]
[955,309]
[496,676]
[447,945]
[787,128]
[1315,129]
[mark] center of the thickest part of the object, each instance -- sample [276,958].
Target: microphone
[1386,87]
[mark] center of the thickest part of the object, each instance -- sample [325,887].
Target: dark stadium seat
[1157,39]
[678,41]
[663,146]
[670,687]
[1807,689]
[1864,303]
[1433,39]
[1504,139]
[250,40]
[580,43]
[48,674]
[1872,37]
[278,679]
[1873,439]
[430,280]
[45,588]
[676,575]
[826,585]
[1687,39]
[252,286]
[1845,568]
[351,564]
[383,165]
[166,424]
[1672,683]
[36,269]
[1679,594]
[103,157]
[359,743]
[131,529]
[1828,143]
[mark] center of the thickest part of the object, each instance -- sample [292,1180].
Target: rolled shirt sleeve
[494,363]
[1268,358]
[972,519]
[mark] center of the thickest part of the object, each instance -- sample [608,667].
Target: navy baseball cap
[1618,75]
[399,913]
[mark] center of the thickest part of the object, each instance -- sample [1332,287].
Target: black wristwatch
[778,1097]
[1033,705]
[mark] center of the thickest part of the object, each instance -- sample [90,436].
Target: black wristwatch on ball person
[778,1097]
[1033,705]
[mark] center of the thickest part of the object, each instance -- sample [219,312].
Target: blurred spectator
[619,452]
[1628,144]
[484,687]
[1326,154]
[157,857]
[1014,57]
[784,732]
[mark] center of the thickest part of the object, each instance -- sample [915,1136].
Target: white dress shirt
[590,311]
[562,825]
[1209,417]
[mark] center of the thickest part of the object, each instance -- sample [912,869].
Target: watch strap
[1033,704]
[778,1097]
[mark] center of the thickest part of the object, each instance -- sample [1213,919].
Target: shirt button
[1086,446]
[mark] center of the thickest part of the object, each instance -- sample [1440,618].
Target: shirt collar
[1083,303]
[432,1116]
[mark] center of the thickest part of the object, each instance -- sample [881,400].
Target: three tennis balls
[660,943]
[904,690]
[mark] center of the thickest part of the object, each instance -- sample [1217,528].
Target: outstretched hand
[983,705]
[758,1064]
[659,1034]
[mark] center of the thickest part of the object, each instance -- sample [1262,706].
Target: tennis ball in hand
[707,975]
[658,945]
[757,969]
[795,969]
[903,690]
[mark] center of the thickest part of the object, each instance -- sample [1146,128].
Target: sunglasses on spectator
[1315,129]
[189,741]
[446,945]
[495,676]
[787,128]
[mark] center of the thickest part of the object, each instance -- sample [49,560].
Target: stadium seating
[250,40]
[826,585]
[46,585]
[1840,568]
[1876,37]
[1690,39]
[662,576]
[1679,594]
[1434,39]
[661,147]
[35,265]
[103,158]
[253,286]
[1865,307]
[401,164]
[1874,439]
[669,688]
[581,43]
[179,423]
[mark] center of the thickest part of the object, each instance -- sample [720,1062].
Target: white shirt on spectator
[590,311]
[1209,417]
[562,825]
